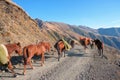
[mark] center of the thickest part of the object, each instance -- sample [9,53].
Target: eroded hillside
[17,26]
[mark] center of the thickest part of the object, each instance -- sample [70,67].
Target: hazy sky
[91,13]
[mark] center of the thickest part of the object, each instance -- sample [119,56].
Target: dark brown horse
[60,47]
[100,46]
[36,49]
[11,48]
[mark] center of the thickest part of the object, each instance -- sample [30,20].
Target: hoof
[41,64]
[15,75]
[3,71]
[23,73]
[33,67]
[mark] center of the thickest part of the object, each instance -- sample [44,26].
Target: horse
[61,48]
[34,49]
[84,41]
[10,49]
[100,46]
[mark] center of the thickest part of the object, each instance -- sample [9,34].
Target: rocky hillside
[17,26]
[57,30]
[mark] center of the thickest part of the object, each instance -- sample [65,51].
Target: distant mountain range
[110,36]
[109,31]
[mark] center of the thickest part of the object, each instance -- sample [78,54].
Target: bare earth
[77,65]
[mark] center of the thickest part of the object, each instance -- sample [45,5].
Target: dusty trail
[68,69]
[77,65]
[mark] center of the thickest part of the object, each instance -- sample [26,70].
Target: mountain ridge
[113,41]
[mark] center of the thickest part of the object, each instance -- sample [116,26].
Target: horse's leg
[31,65]
[29,62]
[10,67]
[64,53]
[101,53]
[85,48]
[24,71]
[25,63]
[42,59]
[59,55]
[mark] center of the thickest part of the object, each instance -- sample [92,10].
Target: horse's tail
[55,46]
[102,47]
[25,52]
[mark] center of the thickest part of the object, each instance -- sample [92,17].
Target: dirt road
[77,65]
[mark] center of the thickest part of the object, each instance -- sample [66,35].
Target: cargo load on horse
[3,55]
[61,46]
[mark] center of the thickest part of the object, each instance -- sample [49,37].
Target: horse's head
[18,48]
[96,41]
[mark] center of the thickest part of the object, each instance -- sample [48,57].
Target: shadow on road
[71,54]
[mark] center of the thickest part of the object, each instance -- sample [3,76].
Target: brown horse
[100,46]
[85,41]
[36,49]
[60,47]
[11,48]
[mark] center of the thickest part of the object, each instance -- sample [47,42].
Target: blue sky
[91,13]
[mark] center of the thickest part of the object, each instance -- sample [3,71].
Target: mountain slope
[109,31]
[17,26]
[57,30]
